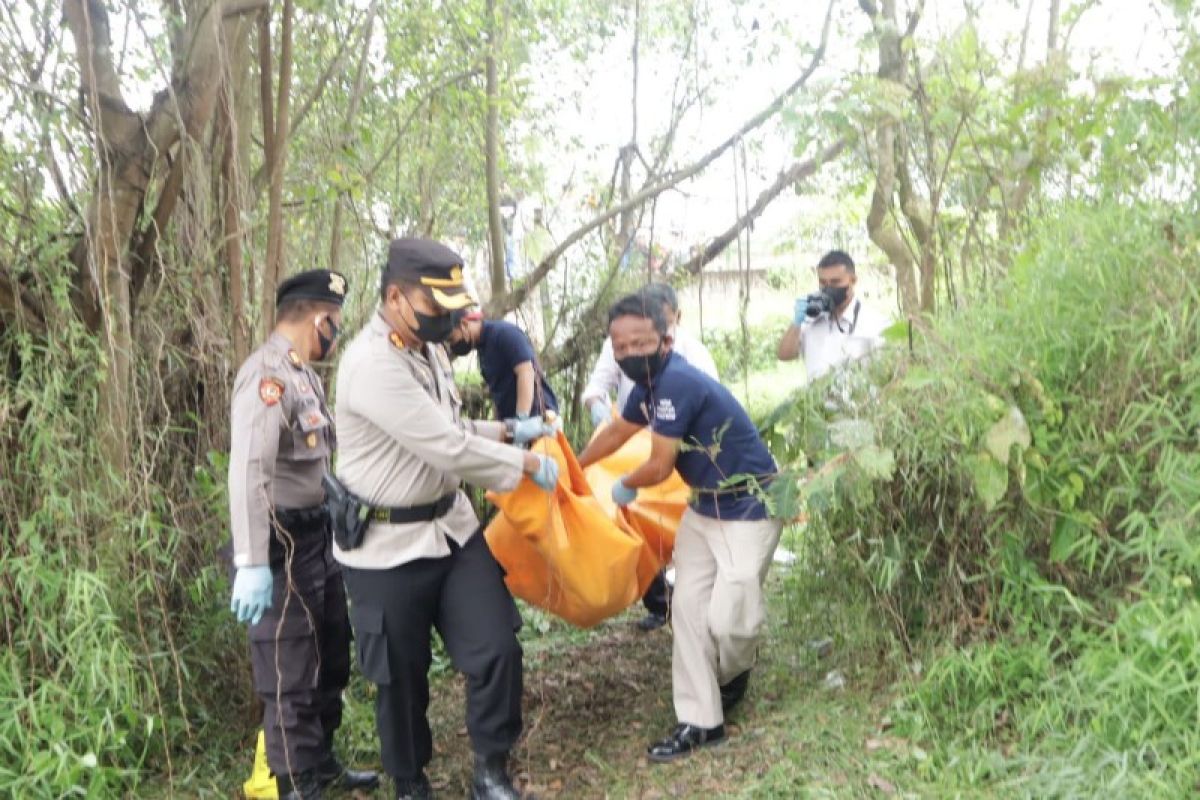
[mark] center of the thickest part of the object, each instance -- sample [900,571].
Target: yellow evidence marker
[261,785]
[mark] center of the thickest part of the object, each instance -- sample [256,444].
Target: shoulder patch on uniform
[665,410]
[295,359]
[396,341]
[270,391]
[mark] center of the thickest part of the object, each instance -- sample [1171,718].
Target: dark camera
[818,303]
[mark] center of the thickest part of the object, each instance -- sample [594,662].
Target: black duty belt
[300,517]
[422,513]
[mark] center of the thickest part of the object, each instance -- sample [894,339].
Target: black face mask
[642,368]
[431,328]
[326,342]
[836,295]
[461,347]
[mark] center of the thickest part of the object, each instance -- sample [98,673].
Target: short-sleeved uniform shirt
[719,441]
[502,348]
[281,438]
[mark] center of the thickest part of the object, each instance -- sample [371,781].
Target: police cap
[322,285]
[432,265]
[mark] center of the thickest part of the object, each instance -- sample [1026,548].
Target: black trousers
[300,649]
[394,610]
[657,598]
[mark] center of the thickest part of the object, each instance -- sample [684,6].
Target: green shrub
[732,351]
[1020,495]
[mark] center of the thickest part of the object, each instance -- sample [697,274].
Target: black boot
[651,622]
[333,774]
[733,692]
[491,779]
[417,788]
[683,740]
[300,786]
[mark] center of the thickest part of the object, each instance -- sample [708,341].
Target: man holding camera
[832,327]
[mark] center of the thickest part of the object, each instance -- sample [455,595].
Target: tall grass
[1021,499]
[117,658]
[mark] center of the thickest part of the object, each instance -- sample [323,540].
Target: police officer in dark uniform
[287,585]
[404,449]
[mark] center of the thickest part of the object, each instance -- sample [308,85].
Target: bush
[118,652]
[1020,495]
[754,352]
[1011,467]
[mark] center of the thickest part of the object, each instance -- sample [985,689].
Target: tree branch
[499,306]
[427,93]
[260,179]
[236,8]
[789,177]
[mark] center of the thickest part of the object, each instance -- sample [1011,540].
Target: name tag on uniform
[311,419]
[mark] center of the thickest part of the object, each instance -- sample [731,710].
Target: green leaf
[989,477]
[786,496]
[898,332]
[920,377]
[876,462]
[851,434]
[1010,430]
[1069,532]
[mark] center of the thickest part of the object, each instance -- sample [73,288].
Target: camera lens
[817,304]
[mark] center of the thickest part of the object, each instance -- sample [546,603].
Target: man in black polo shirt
[508,364]
[725,539]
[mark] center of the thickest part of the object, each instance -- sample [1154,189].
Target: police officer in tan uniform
[404,449]
[287,585]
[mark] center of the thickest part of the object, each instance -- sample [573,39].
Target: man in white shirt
[608,377]
[843,328]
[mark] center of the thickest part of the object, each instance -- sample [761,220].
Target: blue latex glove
[530,428]
[251,593]
[622,495]
[601,412]
[800,312]
[546,476]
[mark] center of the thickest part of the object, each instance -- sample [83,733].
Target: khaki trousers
[718,609]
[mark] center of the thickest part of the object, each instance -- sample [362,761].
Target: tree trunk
[273,269]
[881,226]
[916,273]
[360,77]
[127,147]
[230,129]
[492,157]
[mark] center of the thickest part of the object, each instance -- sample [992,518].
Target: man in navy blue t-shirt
[508,364]
[725,540]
